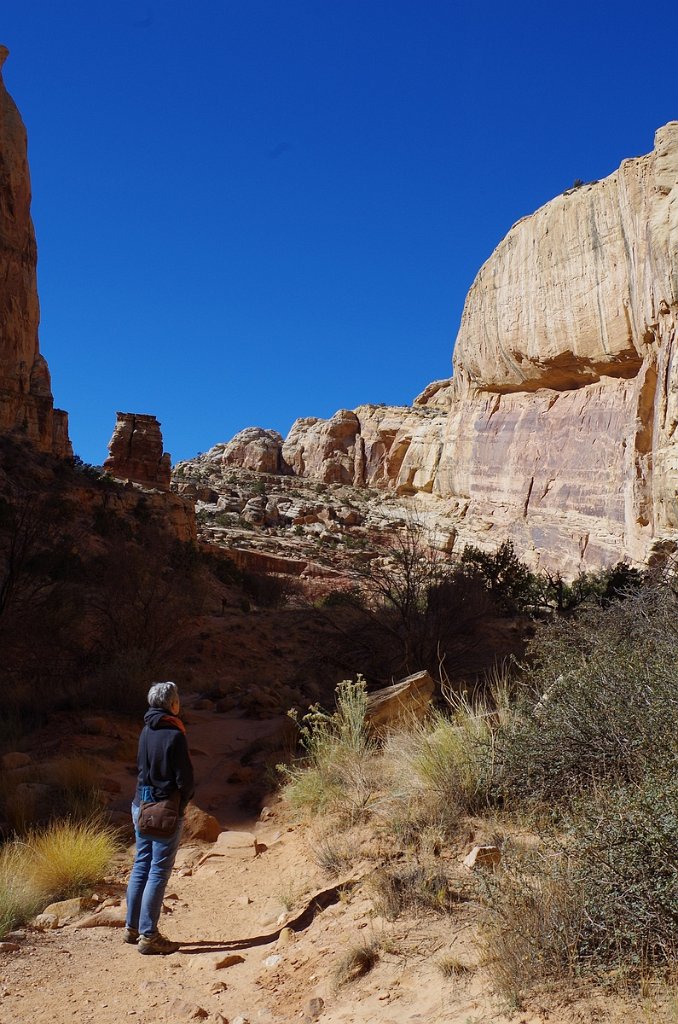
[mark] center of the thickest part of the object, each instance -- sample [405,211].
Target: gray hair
[162,695]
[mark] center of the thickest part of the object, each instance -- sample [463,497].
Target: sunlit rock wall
[26,402]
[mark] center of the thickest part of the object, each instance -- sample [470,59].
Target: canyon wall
[26,402]
[558,427]
[562,432]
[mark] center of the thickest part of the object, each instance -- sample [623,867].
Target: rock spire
[136,452]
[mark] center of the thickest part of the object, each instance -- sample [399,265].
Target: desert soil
[226,904]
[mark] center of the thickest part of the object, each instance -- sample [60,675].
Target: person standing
[165,769]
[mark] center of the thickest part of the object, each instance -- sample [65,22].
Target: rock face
[562,433]
[26,402]
[136,452]
[559,426]
[256,449]
[369,447]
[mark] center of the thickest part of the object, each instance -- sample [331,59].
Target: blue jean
[150,874]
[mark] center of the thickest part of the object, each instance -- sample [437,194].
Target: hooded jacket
[163,761]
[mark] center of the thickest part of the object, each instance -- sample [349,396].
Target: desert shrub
[443,767]
[266,590]
[222,567]
[513,586]
[331,855]
[531,931]
[625,844]
[412,888]
[351,598]
[75,783]
[120,682]
[599,702]
[600,898]
[517,590]
[337,772]
[358,960]
[66,857]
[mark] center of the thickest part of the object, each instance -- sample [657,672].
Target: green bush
[625,844]
[599,700]
[512,585]
[601,898]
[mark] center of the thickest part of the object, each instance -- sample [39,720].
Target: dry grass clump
[412,888]
[450,966]
[68,856]
[441,768]
[64,788]
[58,862]
[534,922]
[76,785]
[289,894]
[338,771]
[356,962]
[19,899]
[332,855]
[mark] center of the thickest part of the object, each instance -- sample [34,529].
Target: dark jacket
[163,760]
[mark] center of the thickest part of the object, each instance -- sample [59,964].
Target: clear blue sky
[257,210]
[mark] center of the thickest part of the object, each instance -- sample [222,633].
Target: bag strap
[147,789]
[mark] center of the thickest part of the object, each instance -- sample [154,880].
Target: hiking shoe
[156,944]
[130,935]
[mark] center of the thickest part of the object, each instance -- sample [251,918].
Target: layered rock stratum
[558,427]
[26,401]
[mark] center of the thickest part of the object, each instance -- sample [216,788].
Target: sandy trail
[230,898]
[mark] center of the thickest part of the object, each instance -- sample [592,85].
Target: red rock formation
[26,402]
[136,452]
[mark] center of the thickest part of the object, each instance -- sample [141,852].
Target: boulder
[409,698]
[67,910]
[200,825]
[15,759]
[483,857]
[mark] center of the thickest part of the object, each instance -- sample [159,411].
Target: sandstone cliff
[558,428]
[562,432]
[26,402]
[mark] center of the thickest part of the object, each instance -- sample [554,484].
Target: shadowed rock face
[26,402]
[136,452]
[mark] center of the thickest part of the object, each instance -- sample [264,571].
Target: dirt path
[226,904]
